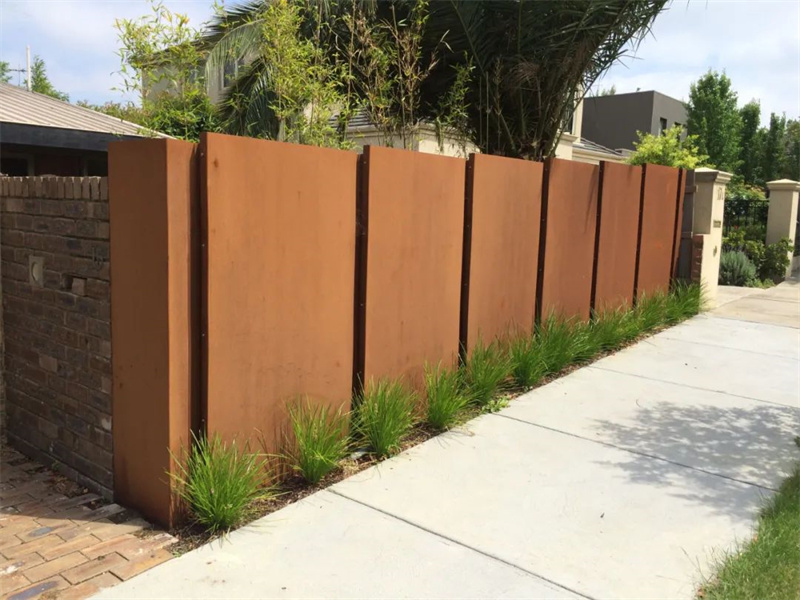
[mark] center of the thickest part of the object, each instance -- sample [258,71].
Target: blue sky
[757,42]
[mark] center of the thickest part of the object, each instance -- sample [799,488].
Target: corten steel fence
[501,247]
[617,235]
[294,271]
[659,228]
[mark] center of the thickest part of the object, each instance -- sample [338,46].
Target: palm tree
[530,59]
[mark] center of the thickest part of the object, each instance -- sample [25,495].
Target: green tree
[127,112]
[792,152]
[774,156]
[751,143]
[530,60]
[40,82]
[5,74]
[667,149]
[161,60]
[714,118]
[299,93]
[612,91]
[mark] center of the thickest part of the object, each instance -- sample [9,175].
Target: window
[663,123]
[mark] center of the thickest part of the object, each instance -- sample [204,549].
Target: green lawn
[768,566]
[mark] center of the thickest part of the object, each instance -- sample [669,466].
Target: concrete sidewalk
[618,481]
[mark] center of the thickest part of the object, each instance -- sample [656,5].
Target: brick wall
[57,328]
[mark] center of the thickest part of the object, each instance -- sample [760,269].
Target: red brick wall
[57,363]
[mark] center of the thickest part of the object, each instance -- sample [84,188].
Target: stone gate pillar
[782,218]
[709,208]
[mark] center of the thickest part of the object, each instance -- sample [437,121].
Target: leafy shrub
[735,269]
[776,260]
[385,415]
[446,398]
[669,148]
[756,232]
[737,240]
[319,439]
[219,480]
[484,371]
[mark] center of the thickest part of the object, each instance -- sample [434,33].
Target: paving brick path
[59,542]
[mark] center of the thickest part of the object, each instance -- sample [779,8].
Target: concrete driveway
[620,480]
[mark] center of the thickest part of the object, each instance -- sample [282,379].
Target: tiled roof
[18,105]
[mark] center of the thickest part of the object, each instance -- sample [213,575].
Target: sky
[756,42]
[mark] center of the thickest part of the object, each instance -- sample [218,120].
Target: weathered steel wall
[569,244]
[279,281]
[153,208]
[504,204]
[658,228]
[413,210]
[617,236]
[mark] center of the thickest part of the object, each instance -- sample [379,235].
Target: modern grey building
[614,120]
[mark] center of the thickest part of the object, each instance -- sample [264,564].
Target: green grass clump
[319,439]
[484,371]
[445,396]
[527,366]
[384,416]
[768,566]
[219,480]
[684,301]
[557,343]
[611,328]
[650,311]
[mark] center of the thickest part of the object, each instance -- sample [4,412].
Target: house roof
[590,146]
[21,107]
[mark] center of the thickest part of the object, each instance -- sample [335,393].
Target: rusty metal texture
[279,295]
[570,217]
[153,202]
[414,210]
[657,235]
[684,242]
[504,204]
[676,240]
[618,235]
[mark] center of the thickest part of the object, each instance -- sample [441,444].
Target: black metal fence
[745,212]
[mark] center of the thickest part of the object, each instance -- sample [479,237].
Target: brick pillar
[709,210]
[782,218]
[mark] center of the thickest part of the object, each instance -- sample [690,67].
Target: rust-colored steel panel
[506,203]
[676,243]
[659,206]
[569,243]
[154,204]
[618,236]
[280,222]
[415,212]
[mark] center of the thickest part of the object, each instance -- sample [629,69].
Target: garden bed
[389,418]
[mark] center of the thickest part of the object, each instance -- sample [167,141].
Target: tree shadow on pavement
[754,445]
